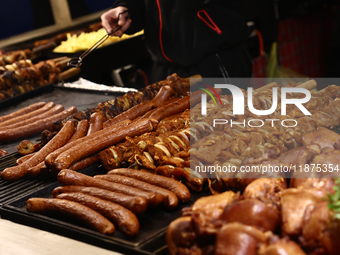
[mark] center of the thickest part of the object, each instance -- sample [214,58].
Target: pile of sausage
[31,120]
[105,201]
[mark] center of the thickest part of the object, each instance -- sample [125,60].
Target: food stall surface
[20,239]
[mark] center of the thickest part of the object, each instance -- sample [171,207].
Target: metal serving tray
[150,239]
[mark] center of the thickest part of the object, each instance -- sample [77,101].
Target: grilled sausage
[54,110]
[135,204]
[17,172]
[170,199]
[100,140]
[175,107]
[49,160]
[147,115]
[85,162]
[96,122]
[35,127]
[120,216]
[69,177]
[26,116]
[71,209]
[81,130]
[175,186]
[22,111]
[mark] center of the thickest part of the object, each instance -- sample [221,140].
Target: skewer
[68,74]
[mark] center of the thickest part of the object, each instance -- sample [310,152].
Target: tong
[77,62]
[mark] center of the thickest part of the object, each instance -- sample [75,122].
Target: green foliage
[334,200]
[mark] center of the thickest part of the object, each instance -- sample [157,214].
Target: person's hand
[109,20]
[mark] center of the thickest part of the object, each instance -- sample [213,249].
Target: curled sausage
[69,177]
[17,172]
[135,204]
[26,116]
[71,209]
[175,186]
[170,199]
[35,127]
[22,111]
[122,217]
[100,140]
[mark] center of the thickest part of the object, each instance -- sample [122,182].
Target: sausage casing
[71,209]
[135,204]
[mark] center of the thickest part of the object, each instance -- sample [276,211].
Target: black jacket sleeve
[137,12]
